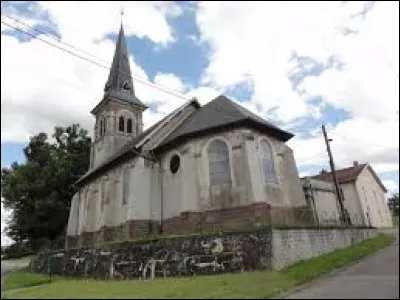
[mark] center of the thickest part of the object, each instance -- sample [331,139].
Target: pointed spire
[120,84]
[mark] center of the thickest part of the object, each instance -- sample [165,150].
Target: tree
[393,203]
[39,191]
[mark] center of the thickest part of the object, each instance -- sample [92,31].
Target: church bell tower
[119,114]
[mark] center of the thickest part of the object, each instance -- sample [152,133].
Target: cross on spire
[122,13]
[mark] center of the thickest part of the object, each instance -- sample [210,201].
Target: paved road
[375,277]
[5,268]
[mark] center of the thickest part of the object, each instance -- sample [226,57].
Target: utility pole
[337,189]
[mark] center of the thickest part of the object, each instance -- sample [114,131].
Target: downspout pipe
[160,228]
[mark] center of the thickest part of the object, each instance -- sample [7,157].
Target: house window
[121,124]
[129,126]
[267,161]
[125,189]
[219,167]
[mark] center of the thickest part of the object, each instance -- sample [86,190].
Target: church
[202,165]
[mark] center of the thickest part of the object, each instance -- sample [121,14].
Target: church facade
[211,165]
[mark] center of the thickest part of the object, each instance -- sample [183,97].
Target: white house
[363,192]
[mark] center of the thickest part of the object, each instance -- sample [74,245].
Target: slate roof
[219,113]
[120,75]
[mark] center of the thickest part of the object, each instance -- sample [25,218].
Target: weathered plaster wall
[373,200]
[322,196]
[352,204]
[156,194]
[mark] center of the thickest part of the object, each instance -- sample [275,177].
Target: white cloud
[255,42]
[358,139]
[92,19]
[43,86]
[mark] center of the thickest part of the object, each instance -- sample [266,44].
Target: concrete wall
[290,246]
[373,200]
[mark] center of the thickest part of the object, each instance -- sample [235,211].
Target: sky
[297,64]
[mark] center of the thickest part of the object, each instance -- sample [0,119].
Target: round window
[174,164]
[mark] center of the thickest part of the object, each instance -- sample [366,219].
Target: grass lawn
[244,285]
[21,277]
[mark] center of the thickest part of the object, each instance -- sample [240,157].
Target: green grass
[244,285]
[23,278]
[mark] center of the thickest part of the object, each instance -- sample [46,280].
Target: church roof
[219,114]
[120,83]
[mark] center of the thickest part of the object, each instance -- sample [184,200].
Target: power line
[156,86]
[53,36]
[139,79]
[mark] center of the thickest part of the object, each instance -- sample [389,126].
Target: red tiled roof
[343,175]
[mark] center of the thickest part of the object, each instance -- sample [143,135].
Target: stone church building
[211,165]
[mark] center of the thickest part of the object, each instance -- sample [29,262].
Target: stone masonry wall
[199,255]
[180,256]
[290,246]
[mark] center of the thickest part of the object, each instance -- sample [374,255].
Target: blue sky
[188,58]
[284,62]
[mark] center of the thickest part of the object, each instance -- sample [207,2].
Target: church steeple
[119,114]
[120,84]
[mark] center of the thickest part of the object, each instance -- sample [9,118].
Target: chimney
[355,163]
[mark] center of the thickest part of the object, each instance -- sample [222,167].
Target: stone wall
[290,246]
[199,255]
[179,256]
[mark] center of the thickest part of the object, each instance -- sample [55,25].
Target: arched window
[126,184]
[218,158]
[129,126]
[267,161]
[125,86]
[121,125]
